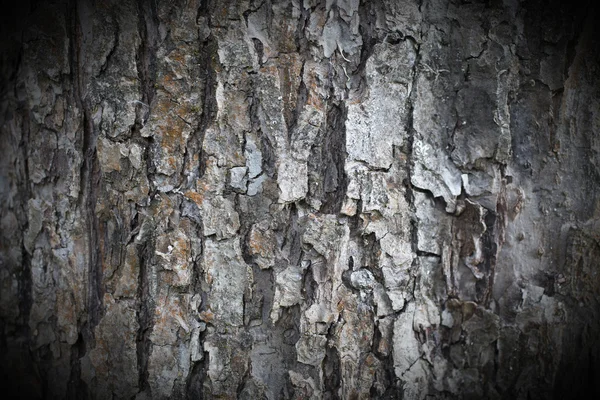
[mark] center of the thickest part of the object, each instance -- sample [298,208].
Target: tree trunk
[300,199]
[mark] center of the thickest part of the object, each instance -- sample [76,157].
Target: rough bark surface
[292,199]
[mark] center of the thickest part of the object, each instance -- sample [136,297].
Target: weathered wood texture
[300,199]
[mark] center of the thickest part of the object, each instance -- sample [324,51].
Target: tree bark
[300,199]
